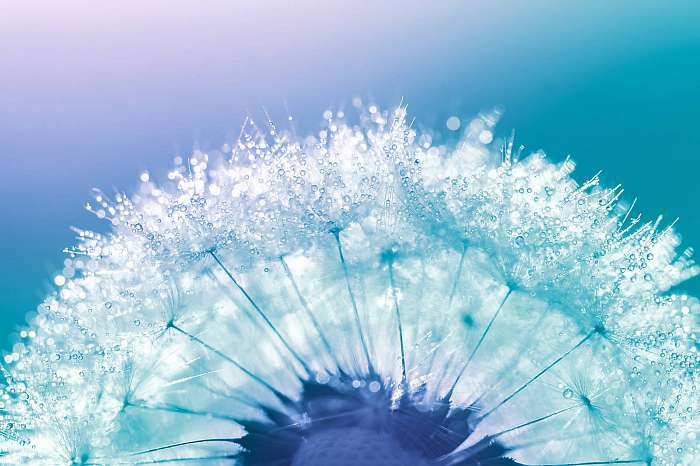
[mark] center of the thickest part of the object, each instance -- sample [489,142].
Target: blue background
[92,93]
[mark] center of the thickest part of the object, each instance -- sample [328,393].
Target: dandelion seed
[362,297]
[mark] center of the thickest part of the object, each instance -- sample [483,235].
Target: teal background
[92,93]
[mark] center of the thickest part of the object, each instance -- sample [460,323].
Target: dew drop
[453,123]
[485,137]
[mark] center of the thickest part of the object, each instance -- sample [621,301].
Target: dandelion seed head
[362,295]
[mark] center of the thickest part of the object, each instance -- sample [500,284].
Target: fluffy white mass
[467,271]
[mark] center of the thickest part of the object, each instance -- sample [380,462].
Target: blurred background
[92,93]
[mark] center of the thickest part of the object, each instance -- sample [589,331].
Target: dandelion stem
[182,444]
[262,314]
[230,396]
[575,436]
[458,274]
[539,374]
[397,310]
[307,309]
[178,410]
[481,340]
[346,272]
[535,421]
[453,291]
[458,456]
[223,356]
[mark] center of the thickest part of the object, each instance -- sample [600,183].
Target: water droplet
[485,137]
[568,393]
[453,123]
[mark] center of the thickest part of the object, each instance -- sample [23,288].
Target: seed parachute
[362,296]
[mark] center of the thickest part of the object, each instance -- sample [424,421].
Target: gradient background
[92,93]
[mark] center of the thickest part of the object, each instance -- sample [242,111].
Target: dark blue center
[350,422]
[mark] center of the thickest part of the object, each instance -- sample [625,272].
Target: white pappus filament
[362,296]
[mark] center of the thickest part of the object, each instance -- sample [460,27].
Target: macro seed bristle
[361,296]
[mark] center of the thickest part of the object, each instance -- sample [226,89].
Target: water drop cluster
[362,296]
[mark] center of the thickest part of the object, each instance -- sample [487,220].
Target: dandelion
[362,297]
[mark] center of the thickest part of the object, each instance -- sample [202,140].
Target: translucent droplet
[568,393]
[485,137]
[453,123]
